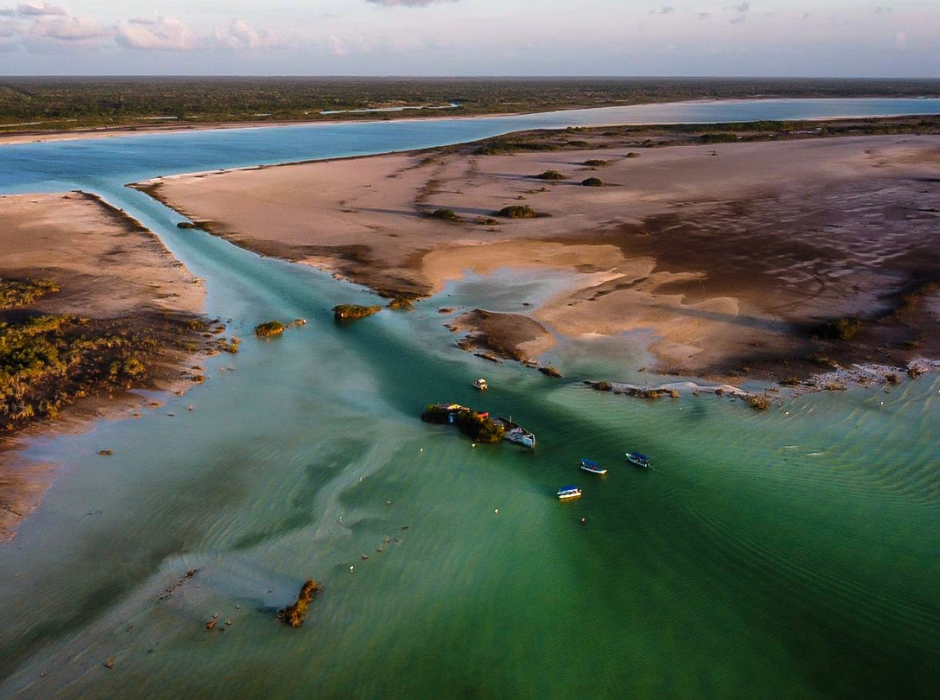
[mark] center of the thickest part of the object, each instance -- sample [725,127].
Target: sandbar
[110,269]
[734,256]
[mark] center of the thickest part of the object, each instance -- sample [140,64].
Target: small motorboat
[639,460]
[568,493]
[480,384]
[589,465]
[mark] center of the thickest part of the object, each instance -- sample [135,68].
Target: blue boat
[638,459]
[589,465]
[567,493]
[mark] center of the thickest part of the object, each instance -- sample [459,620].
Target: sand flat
[728,253]
[107,267]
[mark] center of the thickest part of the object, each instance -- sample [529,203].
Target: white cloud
[664,10]
[67,29]
[161,33]
[40,9]
[338,47]
[406,3]
[900,40]
[241,36]
[743,7]
[238,35]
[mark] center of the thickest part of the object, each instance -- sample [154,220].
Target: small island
[349,312]
[269,329]
[295,613]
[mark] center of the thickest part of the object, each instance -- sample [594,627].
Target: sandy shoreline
[733,255]
[110,270]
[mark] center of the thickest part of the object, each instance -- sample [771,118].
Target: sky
[812,38]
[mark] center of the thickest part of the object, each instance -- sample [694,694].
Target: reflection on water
[789,553]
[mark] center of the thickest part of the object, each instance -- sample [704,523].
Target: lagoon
[790,553]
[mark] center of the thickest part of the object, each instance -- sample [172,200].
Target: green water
[767,555]
[792,553]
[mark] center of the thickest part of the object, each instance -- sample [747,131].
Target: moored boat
[567,493]
[639,460]
[589,465]
[480,384]
[516,433]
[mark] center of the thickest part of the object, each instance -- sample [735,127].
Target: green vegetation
[269,329]
[592,182]
[401,304]
[596,163]
[346,312]
[759,402]
[719,137]
[47,361]
[295,613]
[445,214]
[65,103]
[839,329]
[479,427]
[517,211]
[550,175]
[632,154]
[24,292]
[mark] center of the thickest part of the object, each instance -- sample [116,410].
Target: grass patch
[592,182]
[517,211]
[550,175]
[444,214]
[839,329]
[15,293]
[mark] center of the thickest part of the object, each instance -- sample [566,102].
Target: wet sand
[108,267]
[734,255]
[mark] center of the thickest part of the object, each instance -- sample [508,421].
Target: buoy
[583,521]
[422,449]
[351,567]
[473,444]
[360,479]
[496,512]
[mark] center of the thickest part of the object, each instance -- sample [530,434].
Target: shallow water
[790,553]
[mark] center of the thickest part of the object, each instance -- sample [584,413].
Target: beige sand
[729,254]
[107,267]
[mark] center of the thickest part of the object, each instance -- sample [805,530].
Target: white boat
[568,493]
[589,465]
[480,384]
[516,433]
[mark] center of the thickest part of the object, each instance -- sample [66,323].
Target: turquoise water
[790,553]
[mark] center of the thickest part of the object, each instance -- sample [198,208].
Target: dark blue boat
[638,460]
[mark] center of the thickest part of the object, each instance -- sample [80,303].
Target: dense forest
[57,103]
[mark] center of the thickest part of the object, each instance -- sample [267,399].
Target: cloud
[40,9]
[161,33]
[703,15]
[881,10]
[900,40]
[69,30]
[664,10]
[238,35]
[338,47]
[743,7]
[406,3]
[738,20]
